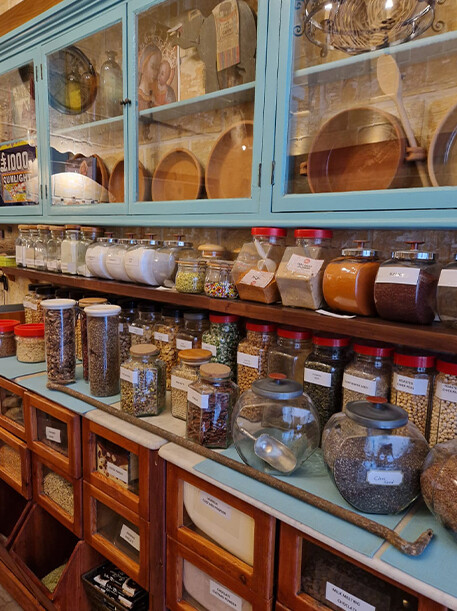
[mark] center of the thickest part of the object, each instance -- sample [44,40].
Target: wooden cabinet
[11,408]
[15,464]
[13,511]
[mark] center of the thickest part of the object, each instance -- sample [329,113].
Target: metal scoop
[273,452]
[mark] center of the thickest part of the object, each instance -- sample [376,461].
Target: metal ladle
[272,451]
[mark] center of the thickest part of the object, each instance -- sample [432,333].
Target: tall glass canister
[103,341]
[59,325]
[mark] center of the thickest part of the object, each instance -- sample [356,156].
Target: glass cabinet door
[367,105]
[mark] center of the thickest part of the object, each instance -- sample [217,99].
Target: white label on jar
[19,251]
[448,277]
[197,399]
[222,509]
[304,265]
[446,392]
[321,378]
[136,330]
[30,305]
[53,434]
[397,275]
[410,385]
[180,383]
[183,344]
[255,278]
[367,387]
[385,478]
[129,375]
[248,360]
[225,596]
[130,536]
[161,337]
[209,347]
[344,600]
[117,472]
[52,265]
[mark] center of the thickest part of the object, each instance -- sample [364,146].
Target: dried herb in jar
[143,383]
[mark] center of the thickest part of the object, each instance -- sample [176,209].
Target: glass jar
[166,257]
[29,302]
[210,252]
[103,343]
[183,374]
[348,282]
[96,254]
[41,293]
[110,87]
[375,456]
[30,247]
[142,328]
[222,339]
[210,401]
[289,353]
[446,295]
[252,355]
[54,255]
[369,374]
[69,252]
[443,417]
[82,348]
[128,314]
[41,247]
[405,286]
[7,343]
[254,269]
[301,271]
[323,375]
[59,329]
[190,336]
[139,261]
[284,415]
[165,333]
[190,277]
[30,343]
[88,237]
[20,245]
[115,259]
[218,280]
[143,382]
[412,384]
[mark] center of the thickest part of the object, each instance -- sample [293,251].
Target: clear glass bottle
[142,328]
[69,252]
[443,417]
[183,374]
[289,353]
[41,247]
[166,257]
[110,87]
[210,401]
[127,316]
[165,333]
[103,342]
[20,245]
[54,257]
[218,280]
[222,339]
[252,355]
[139,261]
[190,336]
[82,346]
[115,259]
[59,322]
[30,247]
[88,237]
[96,254]
[143,382]
[190,276]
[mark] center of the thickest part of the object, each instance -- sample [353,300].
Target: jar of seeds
[81,329]
[7,342]
[289,353]
[143,382]
[375,455]
[41,293]
[443,418]
[128,314]
[183,374]
[252,355]
[195,324]
[222,339]
[210,401]
[368,374]
[29,302]
[218,280]
[103,343]
[165,333]
[30,343]
[59,331]
[412,383]
[323,375]
[190,277]
[142,328]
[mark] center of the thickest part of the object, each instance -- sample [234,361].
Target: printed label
[367,387]
[222,509]
[446,392]
[183,344]
[248,360]
[130,536]
[321,378]
[385,478]
[197,399]
[304,265]
[117,472]
[19,251]
[255,278]
[129,375]
[410,385]
[53,434]
[52,265]
[209,347]
[448,277]
[161,337]
[30,261]
[397,275]
[226,596]
[30,305]
[136,330]
[344,600]
[180,383]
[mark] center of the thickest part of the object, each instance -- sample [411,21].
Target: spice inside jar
[443,417]
[127,316]
[30,343]
[7,342]
[252,355]
[222,339]
[183,374]
[143,382]
[81,330]
[103,343]
[59,490]
[142,328]
[59,329]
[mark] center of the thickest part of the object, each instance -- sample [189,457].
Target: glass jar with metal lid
[69,251]
[218,280]
[29,246]
[142,328]
[375,455]
[139,260]
[54,257]
[183,374]
[88,237]
[166,257]
[41,247]
[405,286]
[165,332]
[30,343]
[348,282]
[222,339]
[190,276]
[82,347]
[20,245]
[7,342]
[143,382]
[443,417]
[115,259]
[59,326]
[287,356]
[285,431]
[96,254]
[190,335]
[103,344]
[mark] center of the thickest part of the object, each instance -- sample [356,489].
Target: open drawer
[11,408]
[238,538]
[54,433]
[13,511]
[15,467]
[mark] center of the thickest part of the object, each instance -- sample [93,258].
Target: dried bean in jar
[60,340]
[103,339]
[443,417]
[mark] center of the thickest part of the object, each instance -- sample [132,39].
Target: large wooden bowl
[178,176]
[116,183]
[442,155]
[102,174]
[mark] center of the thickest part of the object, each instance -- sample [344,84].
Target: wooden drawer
[279,607]
[312,575]
[11,408]
[117,533]
[15,466]
[13,511]
[236,537]
[58,493]
[54,433]
[194,583]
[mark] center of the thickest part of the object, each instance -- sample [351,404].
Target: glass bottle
[82,346]
[69,251]
[29,302]
[166,257]
[41,293]
[289,353]
[115,259]
[143,382]
[88,237]
[96,254]
[30,247]
[54,259]
[20,245]
[443,417]
[190,276]
[195,324]
[142,328]
[111,86]
[182,375]
[41,247]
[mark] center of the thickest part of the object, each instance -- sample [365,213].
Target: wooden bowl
[229,169]
[442,155]
[178,176]
[102,174]
[116,183]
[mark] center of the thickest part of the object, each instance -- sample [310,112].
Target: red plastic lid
[276,231]
[331,340]
[30,330]
[260,328]
[376,399]
[7,325]
[313,233]
[223,318]
[413,360]
[373,350]
[293,333]
[277,376]
[445,367]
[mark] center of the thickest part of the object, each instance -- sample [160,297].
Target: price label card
[129,375]
[183,344]
[53,434]
[248,360]
[197,399]
[209,347]
[384,478]
[136,330]
[446,392]
[117,472]
[221,508]
[345,600]
[180,383]
[304,265]
[397,275]
[411,386]
[448,277]
[227,597]
[130,536]
[321,378]
[361,385]
[161,337]
[255,278]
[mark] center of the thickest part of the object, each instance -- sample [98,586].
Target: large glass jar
[254,269]
[69,252]
[190,276]
[349,281]
[166,257]
[30,247]
[41,247]
[284,415]
[115,259]
[128,314]
[20,245]
[183,374]
[290,352]
[165,333]
[218,280]
[142,328]
[7,342]
[103,342]
[210,401]
[139,261]
[252,355]
[110,91]
[323,375]
[41,293]
[82,346]
[96,254]
[443,417]
[405,286]
[222,339]
[54,256]
[300,273]
[30,343]
[59,325]
[369,374]
[446,294]
[375,456]
[143,382]
[412,384]
[190,336]
[88,237]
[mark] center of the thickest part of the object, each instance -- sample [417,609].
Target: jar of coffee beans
[443,417]
[143,382]
[103,342]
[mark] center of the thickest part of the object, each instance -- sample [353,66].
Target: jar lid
[43,227]
[179,243]
[222,264]
[373,349]
[260,328]
[56,228]
[277,386]
[293,333]
[45,290]
[30,330]
[414,360]
[58,304]
[221,318]
[195,316]
[106,240]
[91,229]
[144,350]
[89,301]
[331,340]
[359,251]
[195,355]
[446,367]
[211,250]
[171,312]
[376,413]
[192,262]
[414,254]
[272,231]
[146,306]
[215,371]
[150,242]
[7,325]
[73,227]
[102,310]
[128,241]
[313,233]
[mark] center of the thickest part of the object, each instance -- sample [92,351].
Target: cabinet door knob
[125,102]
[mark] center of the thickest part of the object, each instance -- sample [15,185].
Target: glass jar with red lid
[222,339]
[443,417]
[289,353]
[252,356]
[255,267]
[7,342]
[30,343]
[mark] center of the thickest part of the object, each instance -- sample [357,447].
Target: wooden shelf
[434,337]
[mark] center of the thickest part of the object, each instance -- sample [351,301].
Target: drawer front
[13,511]
[15,465]
[11,408]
